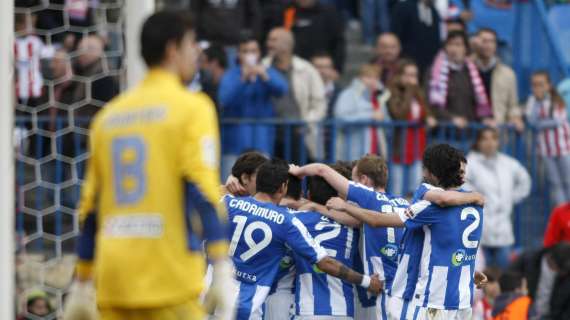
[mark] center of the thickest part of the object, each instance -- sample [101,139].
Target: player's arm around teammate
[370,217]
[337,181]
[439,196]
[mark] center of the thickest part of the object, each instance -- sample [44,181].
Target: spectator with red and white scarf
[545,110]
[456,90]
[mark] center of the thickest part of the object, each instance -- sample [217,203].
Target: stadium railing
[333,139]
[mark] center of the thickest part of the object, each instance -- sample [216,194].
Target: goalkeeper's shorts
[191,310]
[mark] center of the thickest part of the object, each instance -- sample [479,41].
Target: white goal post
[7,194]
[136,12]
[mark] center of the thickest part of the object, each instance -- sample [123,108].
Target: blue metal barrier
[50,162]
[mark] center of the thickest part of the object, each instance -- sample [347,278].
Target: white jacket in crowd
[504,182]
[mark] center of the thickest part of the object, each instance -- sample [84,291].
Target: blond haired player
[152,191]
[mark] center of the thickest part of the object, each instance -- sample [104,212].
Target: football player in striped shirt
[280,304]
[380,245]
[261,233]
[405,302]
[451,241]
[316,293]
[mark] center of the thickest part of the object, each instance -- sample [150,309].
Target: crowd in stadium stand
[435,62]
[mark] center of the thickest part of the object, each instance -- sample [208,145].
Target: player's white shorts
[400,309]
[378,312]
[362,313]
[437,314]
[280,306]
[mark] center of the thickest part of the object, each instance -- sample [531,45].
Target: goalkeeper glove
[221,297]
[81,303]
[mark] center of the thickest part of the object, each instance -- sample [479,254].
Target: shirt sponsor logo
[459,257]
[286,262]
[134,226]
[390,251]
[246,277]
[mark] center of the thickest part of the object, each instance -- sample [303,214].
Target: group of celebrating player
[346,250]
[297,256]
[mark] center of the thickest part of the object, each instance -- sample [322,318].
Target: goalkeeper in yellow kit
[151,193]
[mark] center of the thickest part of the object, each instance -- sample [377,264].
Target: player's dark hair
[295,187]
[510,281]
[160,29]
[216,52]
[560,255]
[444,162]
[344,168]
[247,163]
[272,175]
[320,191]
[375,168]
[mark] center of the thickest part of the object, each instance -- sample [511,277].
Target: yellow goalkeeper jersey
[154,164]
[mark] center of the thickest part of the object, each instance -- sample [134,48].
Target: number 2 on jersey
[129,175]
[254,247]
[333,233]
[469,211]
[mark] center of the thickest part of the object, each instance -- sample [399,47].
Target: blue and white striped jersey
[261,234]
[410,252]
[285,280]
[317,293]
[447,265]
[380,245]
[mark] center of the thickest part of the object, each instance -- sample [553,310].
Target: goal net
[68,62]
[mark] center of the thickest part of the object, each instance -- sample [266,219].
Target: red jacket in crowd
[558,226]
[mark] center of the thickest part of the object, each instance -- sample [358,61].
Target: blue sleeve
[277,83]
[86,240]
[423,213]
[422,190]
[420,193]
[361,195]
[212,225]
[231,89]
[302,243]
